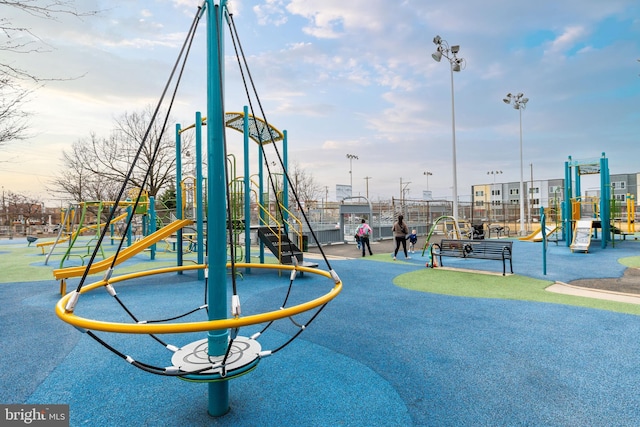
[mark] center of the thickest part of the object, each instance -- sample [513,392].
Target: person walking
[400,231]
[364,231]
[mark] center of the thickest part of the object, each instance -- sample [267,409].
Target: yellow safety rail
[229,323]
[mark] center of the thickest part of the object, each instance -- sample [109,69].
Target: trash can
[305,243]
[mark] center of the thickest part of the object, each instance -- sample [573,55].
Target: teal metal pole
[605,197]
[543,227]
[261,195]
[129,218]
[152,223]
[285,181]
[566,211]
[247,188]
[199,202]
[216,206]
[179,260]
[577,187]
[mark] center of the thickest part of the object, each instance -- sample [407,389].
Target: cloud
[567,40]
[357,75]
[271,13]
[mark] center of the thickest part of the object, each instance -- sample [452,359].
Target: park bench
[481,249]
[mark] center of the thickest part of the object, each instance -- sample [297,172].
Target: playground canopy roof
[259,130]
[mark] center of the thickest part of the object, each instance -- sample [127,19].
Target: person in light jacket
[364,231]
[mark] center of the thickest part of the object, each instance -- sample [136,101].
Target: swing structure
[224,353]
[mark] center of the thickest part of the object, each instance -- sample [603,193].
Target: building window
[619,185]
[479,193]
[514,191]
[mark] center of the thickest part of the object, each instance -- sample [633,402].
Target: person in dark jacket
[400,231]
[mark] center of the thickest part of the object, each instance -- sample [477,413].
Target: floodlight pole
[519,102]
[453,142]
[351,157]
[427,174]
[450,52]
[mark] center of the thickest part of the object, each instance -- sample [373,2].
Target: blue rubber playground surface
[377,355]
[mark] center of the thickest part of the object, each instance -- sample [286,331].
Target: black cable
[156,148]
[145,366]
[136,157]
[226,167]
[300,330]
[257,125]
[163,371]
[240,54]
[233,30]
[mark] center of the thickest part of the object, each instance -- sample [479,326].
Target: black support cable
[257,125]
[131,169]
[174,371]
[233,30]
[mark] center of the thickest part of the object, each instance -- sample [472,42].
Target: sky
[355,77]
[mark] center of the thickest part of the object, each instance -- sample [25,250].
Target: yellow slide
[125,254]
[536,236]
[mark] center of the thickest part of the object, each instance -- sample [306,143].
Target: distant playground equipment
[449,227]
[536,235]
[63,274]
[618,224]
[277,228]
[73,226]
[224,354]
[574,203]
[553,232]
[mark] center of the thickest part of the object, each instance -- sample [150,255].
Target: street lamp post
[450,52]
[519,102]
[351,157]
[493,192]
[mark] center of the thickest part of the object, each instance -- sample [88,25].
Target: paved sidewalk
[567,289]
[350,250]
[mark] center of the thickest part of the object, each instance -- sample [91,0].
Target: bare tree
[23,209]
[97,167]
[304,184]
[15,38]
[78,182]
